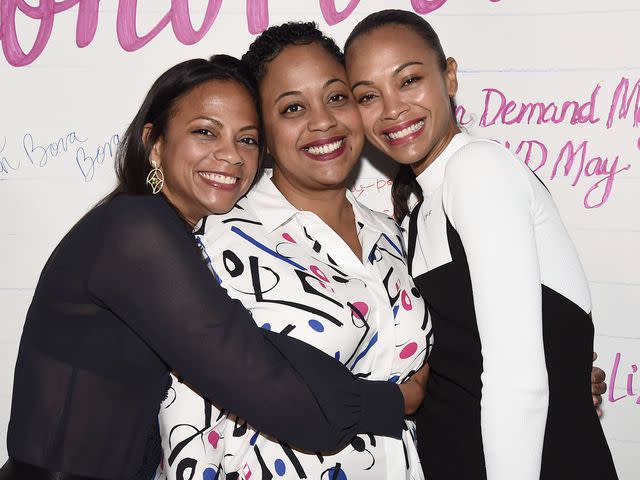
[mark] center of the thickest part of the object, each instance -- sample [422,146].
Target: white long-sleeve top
[515,242]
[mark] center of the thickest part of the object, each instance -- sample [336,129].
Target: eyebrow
[220,125]
[298,92]
[217,123]
[395,72]
[405,65]
[333,80]
[360,83]
[285,94]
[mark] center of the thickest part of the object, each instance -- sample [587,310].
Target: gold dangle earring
[155,178]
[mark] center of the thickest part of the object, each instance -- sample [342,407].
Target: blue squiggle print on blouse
[264,248]
[372,342]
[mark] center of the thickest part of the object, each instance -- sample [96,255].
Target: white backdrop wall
[522,64]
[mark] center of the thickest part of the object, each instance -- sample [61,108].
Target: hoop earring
[155,178]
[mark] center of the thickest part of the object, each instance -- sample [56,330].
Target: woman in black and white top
[508,396]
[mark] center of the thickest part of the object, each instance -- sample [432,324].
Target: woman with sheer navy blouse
[126,298]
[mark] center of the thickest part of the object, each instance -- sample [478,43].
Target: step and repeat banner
[556,82]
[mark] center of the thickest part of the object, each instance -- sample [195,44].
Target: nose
[393,106]
[229,154]
[321,119]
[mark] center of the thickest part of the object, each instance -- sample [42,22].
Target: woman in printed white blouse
[310,261]
[508,396]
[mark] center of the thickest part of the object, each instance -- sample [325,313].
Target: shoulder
[485,176]
[129,205]
[485,163]
[479,156]
[125,202]
[136,213]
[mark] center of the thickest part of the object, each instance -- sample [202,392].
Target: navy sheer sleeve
[125,299]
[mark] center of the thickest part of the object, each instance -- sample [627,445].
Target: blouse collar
[271,206]
[275,210]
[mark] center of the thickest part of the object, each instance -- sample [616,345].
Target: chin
[331,182]
[415,154]
[335,177]
[220,209]
[404,159]
[220,206]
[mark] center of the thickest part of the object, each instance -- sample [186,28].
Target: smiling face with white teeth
[209,154]
[403,94]
[313,129]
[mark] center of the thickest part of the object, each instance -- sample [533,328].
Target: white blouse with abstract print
[298,277]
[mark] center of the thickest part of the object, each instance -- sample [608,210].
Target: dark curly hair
[404,183]
[273,40]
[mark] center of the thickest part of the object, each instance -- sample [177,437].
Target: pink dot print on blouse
[362,307]
[408,350]
[213,438]
[406,301]
[318,273]
[288,237]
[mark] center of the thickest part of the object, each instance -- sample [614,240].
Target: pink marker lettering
[257,16]
[509,112]
[127,34]
[634,369]
[623,105]
[595,166]
[178,15]
[614,374]
[570,152]
[534,150]
[426,6]
[383,183]
[87,22]
[600,168]
[487,101]
[587,112]
[331,14]
[126,26]
[461,116]
[181,21]
[44,12]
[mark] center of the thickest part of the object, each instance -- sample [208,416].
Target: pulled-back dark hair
[404,183]
[273,40]
[132,158]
